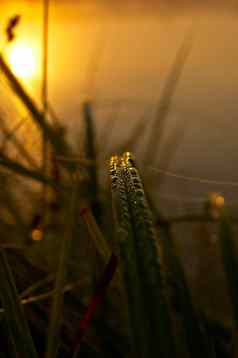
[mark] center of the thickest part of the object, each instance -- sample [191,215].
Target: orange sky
[110,58]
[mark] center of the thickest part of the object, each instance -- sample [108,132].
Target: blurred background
[120,58]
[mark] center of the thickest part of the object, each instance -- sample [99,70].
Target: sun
[22,61]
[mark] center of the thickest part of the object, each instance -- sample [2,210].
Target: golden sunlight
[22,61]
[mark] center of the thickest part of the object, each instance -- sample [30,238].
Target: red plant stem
[96,300]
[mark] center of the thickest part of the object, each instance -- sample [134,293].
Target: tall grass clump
[125,236]
[157,320]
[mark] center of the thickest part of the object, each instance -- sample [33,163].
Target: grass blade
[10,137]
[138,325]
[95,233]
[36,286]
[58,298]
[230,260]
[21,170]
[149,264]
[44,296]
[165,100]
[58,143]
[15,316]
[197,340]
[95,301]
[91,155]
[8,200]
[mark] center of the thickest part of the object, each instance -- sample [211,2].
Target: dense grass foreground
[138,304]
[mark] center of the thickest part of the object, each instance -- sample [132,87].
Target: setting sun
[22,61]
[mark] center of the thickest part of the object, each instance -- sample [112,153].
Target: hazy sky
[97,54]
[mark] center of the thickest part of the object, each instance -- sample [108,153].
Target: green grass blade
[91,155]
[138,325]
[230,260]
[58,297]
[15,317]
[36,286]
[197,340]
[95,233]
[57,141]
[21,170]
[9,136]
[8,200]
[149,264]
